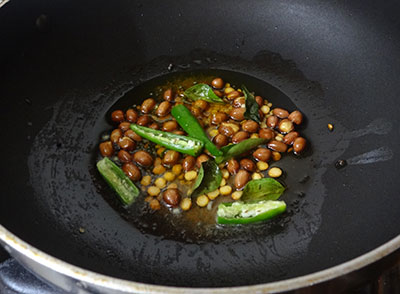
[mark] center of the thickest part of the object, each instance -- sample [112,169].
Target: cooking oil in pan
[199,224]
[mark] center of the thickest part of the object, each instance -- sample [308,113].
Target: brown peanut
[296,117]
[131,115]
[266,134]
[250,126]
[132,171]
[218,118]
[272,121]
[233,166]
[290,137]
[221,140]
[241,179]
[188,163]
[280,112]
[127,143]
[163,109]
[248,164]
[171,157]
[143,158]
[168,95]
[239,137]
[217,83]
[148,105]
[299,144]
[237,113]
[262,154]
[144,120]
[170,126]
[277,146]
[115,136]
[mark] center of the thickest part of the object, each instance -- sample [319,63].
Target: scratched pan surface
[338,63]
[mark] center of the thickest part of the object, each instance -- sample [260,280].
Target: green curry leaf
[203,92]
[262,189]
[251,106]
[208,179]
[233,150]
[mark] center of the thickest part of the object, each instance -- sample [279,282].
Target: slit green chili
[191,126]
[246,213]
[182,144]
[118,181]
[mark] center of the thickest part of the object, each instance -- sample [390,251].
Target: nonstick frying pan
[66,64]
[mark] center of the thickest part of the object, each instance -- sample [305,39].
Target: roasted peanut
[259,100]
[200,159]
[154,126]
[280,112]
[143,158]
[148,105]
[127,143]
[171,157]
[217,83]
[168,95]
[239,102]
[218,118]
[296,117]
[250,126]
[221,140]
[290,137]
[237,113]
[262,154]
[232,95]
[299,144]
[239,137]
[241,179]
[171,197]
[131,134]
[266,133]
[163,109]
[218,93]
[201,104]
[188,163]
[132,171]
[277,146]
[115,136]
[106,149]
[124,156]
[233,166]
[169,126]
[117,116]
[124,126]
[272,121]
[131,115]
[248,164]
[144,120]
[226,130]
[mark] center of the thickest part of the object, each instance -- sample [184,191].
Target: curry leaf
[233,150]
[262,189]
[251,106]
[203,92]
[208,179]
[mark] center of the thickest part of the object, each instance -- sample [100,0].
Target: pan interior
[338,62]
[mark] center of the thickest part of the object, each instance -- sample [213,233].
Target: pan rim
[9,239]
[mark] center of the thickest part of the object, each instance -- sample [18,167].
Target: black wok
[66,64]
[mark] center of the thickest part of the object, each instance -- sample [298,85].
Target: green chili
[245,213]
[191,126]
[182,144]
[116,178]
